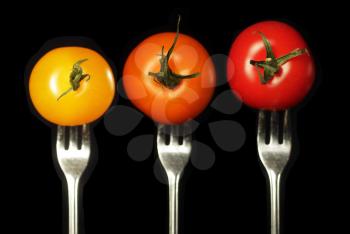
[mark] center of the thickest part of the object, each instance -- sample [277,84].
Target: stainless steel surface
[73,162]
[174,157]
[274,156]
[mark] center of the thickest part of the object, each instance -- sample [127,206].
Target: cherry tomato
[271,67]
[167,102]
[65,102]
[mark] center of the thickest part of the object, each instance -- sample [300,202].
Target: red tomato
[287,83]
[178,102]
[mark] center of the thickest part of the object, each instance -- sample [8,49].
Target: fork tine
[161,134]
[85,142]
[187,136]
[174,134]
[73,137]
[60,143]
[287,127]
[261,127]
[274,126]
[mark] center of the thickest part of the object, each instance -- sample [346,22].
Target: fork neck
[73,205]
[275,193]
[174,178]
[174,181]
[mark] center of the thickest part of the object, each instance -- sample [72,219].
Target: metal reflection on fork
[274,152]
[174,154]
[73,161]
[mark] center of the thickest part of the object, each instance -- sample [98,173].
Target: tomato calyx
[166,76]
[272,65]
[75,77]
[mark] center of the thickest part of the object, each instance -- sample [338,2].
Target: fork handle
[174,181]
[73,209]
[275,182]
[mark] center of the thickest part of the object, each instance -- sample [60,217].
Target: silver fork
[174,158]
[73,161]
[274,156]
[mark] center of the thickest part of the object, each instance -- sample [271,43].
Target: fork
[73,161]
[174,156]
[274,156]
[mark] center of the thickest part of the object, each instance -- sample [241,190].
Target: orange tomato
[162,104]
[50,78]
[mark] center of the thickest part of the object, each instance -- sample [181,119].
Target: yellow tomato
[50,78]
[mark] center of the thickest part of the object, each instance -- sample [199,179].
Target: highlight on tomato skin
[271,66]
[170,77]
[71,86]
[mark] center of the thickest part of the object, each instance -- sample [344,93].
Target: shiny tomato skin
[49,78]
[289,86]
[164,105]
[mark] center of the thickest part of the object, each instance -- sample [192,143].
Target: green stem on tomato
[166,76]
[75,77]
[272,65]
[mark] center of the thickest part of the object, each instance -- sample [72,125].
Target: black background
[124,196]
